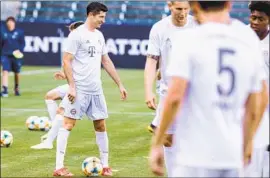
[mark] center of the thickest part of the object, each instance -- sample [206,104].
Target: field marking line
[44,110]
[39,71]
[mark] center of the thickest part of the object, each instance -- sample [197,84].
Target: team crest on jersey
[73,111]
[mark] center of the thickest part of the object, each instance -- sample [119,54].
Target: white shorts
[94,106]
[259,165]
[187,171]
[62,90]
[158,115]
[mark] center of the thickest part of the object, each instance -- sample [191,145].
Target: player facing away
[55,112]
[158,51]
[208,91]
[84,53]
[259,22]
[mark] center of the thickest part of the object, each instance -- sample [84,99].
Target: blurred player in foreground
[259,22]
[55,112]
[12,45]
[84,53]
[210,86]
[158,51]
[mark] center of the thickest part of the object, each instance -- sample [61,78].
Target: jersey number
[228,70]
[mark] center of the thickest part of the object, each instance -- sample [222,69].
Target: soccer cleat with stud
[62,172]
[42,146]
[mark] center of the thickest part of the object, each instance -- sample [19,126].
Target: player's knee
[100,125]
[60,111]
[69,124]
[48,96]
[168,141]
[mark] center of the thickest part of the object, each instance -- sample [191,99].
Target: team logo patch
[73,111]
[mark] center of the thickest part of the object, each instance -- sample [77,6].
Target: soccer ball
[92,166]
[6,138]
[32,123]
[44,124]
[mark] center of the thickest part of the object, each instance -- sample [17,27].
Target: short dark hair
[95,8]
[75,25]
[10,18]
[261,6]
[212,5]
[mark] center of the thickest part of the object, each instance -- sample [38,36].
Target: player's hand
[59,75]
[156,160]
[248,153]
[17,54]
[123,92]
[151,101]
[72,94]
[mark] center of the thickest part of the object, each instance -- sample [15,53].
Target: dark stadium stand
[120,12]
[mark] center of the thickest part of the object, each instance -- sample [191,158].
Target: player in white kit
[209,87]
[55,112]
[158,51]
[83,55]
[259,22]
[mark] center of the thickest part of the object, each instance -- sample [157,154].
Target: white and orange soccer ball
[44,124]
[32,123]
[6,138]
[92,166]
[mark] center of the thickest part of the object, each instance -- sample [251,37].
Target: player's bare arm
[67,58]
[255,107]
[60,75]
[172,102]
[149,78]
[110,69]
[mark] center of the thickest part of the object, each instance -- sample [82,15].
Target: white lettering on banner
[118,46]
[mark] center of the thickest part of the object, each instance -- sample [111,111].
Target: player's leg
[47,140]
[6,67]
[98,112]
[50,100]
[51,97]
[16,67]
[72,112]
[62,140]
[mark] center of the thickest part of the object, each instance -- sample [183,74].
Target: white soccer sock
[62,139]
[103,145]
[155,121]
[51,107]
[168,157]
[53,132]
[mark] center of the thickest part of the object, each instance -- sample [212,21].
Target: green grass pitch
[128,137]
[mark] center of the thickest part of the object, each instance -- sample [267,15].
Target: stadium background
[126,31]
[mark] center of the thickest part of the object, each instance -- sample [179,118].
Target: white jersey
[262,136]
[87,48]
[160,44]
[222,64]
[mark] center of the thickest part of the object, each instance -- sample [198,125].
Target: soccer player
[55,112]
[12,45]
[259,22]
[158,51]
[83,55]
[215,73]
